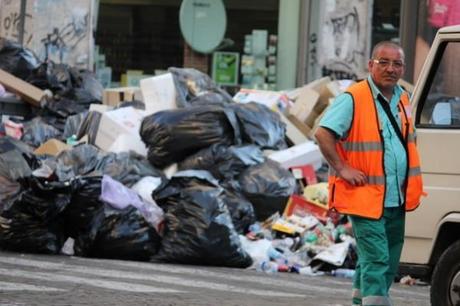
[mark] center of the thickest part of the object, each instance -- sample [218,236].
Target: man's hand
[353,176]
[327,142]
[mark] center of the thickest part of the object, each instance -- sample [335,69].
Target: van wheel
[445,281]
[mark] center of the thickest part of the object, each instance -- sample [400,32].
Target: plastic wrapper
[222,161]
[102,231]
[37,132]
[17,60]
[31,221]
[268,186]
[196,88]
[198,227]
[260,125]
[173,135]
[120,197]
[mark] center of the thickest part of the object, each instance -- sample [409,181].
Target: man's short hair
[386,43]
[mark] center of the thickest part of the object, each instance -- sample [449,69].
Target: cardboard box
[307,153]
[26,91]
[294,135]
[304,103]
[113,96]
[302,127]
[159,93]
[52,147]
[119,131]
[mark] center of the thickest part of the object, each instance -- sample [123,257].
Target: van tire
[446,268]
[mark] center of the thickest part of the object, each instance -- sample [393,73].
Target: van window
[441,108]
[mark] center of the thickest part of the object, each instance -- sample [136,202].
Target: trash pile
[176,170]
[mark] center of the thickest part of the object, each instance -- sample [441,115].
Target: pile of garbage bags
[224,197]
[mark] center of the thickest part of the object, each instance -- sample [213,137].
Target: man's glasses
[386,63]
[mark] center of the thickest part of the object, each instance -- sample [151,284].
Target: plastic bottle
[346,273]
[268,267]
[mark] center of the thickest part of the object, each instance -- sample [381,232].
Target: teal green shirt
[338,118]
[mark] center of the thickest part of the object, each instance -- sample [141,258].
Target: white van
[432,239]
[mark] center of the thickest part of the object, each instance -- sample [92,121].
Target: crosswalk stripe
[122,286]
[137,276]
[9,286]
[346,286]
[264,280]
[167,268]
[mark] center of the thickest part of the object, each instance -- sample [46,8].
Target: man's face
[387,67]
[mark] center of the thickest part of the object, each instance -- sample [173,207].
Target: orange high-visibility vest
[363,149]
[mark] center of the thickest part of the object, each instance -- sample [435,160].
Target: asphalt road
[27,279]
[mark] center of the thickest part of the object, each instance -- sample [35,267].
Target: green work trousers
[379,245]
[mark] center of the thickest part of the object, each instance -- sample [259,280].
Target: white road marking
[256,279]
[121,286]
[167,268]
[9,286]
[137,276]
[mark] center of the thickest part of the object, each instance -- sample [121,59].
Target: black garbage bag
[268,186]
[193,86]
[128,168]
[63,107]
[80,160]
[260,126]
[37,131]
[240,208]
[125,167]
[8,189]
[8,143]
[198,227]
[135,104]
[31,221]
[52,76]
[90,126]
[102,231]
[91,88]
[222,161]
[14,165]
[172,135]
[123,234]
[17,60]
[72,124]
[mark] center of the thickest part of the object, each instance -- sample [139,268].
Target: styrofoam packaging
[119,131]
[307,153]
[159,93]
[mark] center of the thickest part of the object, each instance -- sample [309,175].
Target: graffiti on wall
[10,21]
[59,42]
[57,30]
[344,42]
